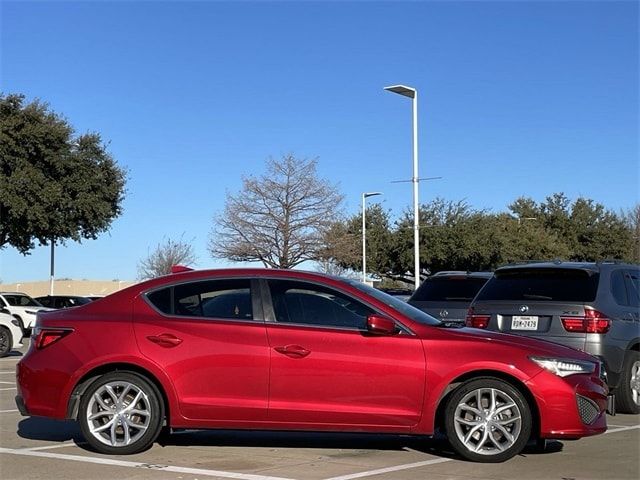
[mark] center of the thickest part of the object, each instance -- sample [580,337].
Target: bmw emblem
[444,313]
[523,309]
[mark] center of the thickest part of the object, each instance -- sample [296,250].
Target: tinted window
[21,301]
[161,299]
[305,303]
[618,288]
[633,287]
[45,301]
[448,289]
[212,299]
[560,285]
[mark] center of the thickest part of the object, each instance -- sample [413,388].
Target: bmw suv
[594,307]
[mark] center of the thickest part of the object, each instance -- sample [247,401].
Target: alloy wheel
[118,413]
[487,421]
[635,382]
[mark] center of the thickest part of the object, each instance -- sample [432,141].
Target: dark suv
[447,295]
[594,307]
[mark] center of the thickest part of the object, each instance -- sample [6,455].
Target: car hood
[532,345]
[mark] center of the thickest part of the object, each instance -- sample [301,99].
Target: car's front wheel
[121,413]
[487,420]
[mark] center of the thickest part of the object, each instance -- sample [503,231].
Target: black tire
[478,439]
[6,341]
[150,401]
[629,384]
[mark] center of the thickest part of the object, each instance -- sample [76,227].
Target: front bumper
[564,403]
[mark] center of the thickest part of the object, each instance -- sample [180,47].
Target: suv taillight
[592,322]
[43,337]
[477,321]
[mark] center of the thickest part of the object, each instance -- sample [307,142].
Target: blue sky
[516,98]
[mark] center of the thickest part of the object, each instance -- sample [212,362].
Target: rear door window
[224,299]
[450,289]
[550,284]
[632,278]
[618,288]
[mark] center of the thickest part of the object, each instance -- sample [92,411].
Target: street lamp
[364,233]
[413,94]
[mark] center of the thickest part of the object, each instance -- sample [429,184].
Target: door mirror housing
[380,325]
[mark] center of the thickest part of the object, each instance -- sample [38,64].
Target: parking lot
[37,448]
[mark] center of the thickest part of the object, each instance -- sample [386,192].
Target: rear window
[558,285]
[438,289]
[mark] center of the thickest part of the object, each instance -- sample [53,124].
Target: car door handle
[165,340]
[293,351]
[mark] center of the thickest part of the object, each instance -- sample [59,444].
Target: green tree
[53,184]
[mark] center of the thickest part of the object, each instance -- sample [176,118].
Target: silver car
[594,307]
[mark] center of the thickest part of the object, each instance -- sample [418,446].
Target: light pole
[51,280]
[413,94]
[364,233]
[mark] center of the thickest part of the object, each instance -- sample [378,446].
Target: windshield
[404,308]
[20,301]
[437,289]
[558,285]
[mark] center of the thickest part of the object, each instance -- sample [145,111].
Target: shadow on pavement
[38,428]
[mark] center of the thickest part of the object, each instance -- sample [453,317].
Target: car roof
[14,293]
[589,266]
[457,273]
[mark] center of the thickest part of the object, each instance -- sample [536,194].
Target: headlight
[564,367]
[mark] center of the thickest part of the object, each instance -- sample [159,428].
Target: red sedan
[289,350]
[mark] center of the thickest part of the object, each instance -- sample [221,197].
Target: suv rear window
[558,285]
[437,289]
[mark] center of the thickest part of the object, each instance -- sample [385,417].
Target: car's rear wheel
[628,393]
[6,341]
[487,420]
[121,413]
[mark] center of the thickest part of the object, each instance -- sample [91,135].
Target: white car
[10,333]
[22,307]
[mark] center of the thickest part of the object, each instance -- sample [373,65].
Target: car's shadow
[348,444]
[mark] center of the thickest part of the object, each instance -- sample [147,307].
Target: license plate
[524,323]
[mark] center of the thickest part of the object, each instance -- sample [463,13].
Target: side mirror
[380,325]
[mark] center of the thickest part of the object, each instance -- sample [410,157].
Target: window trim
[270,318]
[254,289]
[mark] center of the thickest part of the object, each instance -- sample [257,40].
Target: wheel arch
[92,375]
[510,379]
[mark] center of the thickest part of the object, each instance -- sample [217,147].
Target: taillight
[477,321]
[43,337]
[592,322]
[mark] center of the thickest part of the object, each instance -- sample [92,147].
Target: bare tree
[277,218]
[166,255]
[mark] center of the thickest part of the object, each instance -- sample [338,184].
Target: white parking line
[7,372]
[8,411]
[622,429]
[8,383]
[10,388]
[49,447]
[391,469]
[146,466]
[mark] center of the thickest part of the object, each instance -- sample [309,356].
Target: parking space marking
[622,429]
[380,471]
[10,388]
[8,411]
[7,371]
[147,466]
[50,447]
[8,383]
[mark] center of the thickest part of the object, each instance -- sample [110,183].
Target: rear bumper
[22,408]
